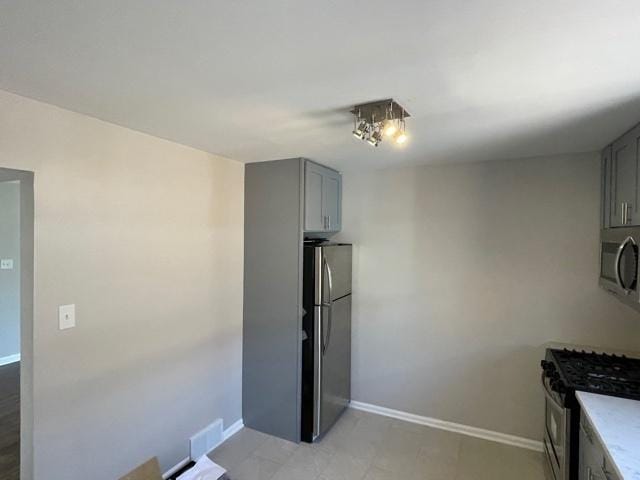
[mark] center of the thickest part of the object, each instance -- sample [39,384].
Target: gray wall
[145,237]
[10,279]
[462,273]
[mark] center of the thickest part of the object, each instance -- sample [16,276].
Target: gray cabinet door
[322,199]
[314,220]
[605,188]
[624,176]
[332,198]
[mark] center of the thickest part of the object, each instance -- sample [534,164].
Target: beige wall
[145,237]
[463,272]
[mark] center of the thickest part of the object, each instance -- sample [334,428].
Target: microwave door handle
[619,259]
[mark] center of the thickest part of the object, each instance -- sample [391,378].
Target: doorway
[16,324]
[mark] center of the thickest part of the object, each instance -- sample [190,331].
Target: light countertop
[616,422]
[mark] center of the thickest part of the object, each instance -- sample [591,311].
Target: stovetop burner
[598,372]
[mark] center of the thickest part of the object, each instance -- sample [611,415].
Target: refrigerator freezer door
[335,388]
[333,273]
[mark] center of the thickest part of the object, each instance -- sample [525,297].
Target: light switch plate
[6,264]
[67,316]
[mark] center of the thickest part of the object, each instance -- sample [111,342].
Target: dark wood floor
[10,422]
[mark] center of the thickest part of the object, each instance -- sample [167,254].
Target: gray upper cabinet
[322,199]
[624,180]
[314,220]
[620,188]
[332,200]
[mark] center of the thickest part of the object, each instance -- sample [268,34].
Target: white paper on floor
[204,469]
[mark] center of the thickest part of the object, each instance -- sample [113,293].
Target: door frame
[27,219]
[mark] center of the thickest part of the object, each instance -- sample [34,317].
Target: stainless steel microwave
[619,264]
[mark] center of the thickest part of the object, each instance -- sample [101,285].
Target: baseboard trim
[232,430]
[176,468]
[9,359]
[226,434]
[451,426]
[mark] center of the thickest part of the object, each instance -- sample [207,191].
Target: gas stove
[563,373]
[571,370]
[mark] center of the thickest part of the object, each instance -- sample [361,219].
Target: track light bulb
[400,137]
[390,128]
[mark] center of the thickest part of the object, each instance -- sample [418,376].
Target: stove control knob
[558,385]
[548,367]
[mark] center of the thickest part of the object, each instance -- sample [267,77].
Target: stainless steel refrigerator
[326,344]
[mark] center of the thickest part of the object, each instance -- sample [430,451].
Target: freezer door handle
[328,305]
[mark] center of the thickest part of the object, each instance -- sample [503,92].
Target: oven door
[557,439]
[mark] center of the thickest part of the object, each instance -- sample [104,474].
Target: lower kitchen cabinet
[594,464]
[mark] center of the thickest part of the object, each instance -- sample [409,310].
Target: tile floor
[363,446]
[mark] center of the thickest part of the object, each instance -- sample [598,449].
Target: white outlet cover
[67,316]
[6,264]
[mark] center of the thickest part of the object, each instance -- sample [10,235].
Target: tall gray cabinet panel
[624,178]
[322,198]
[272,325]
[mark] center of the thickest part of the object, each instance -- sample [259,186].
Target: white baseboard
[9,359]
[181,464]
[451,426]
[233,429]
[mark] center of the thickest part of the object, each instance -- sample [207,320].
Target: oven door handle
[618,260]
[548,394]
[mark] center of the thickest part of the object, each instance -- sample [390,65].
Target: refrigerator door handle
[328,304]
[317,364]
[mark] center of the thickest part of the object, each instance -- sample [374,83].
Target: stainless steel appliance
[564,372]
[326,345]
[619,264]
[557,427]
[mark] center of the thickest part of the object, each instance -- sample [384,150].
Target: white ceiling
[266,79]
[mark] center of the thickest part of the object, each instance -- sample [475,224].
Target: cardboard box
[147,471]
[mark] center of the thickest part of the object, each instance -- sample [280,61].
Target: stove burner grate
[610,374]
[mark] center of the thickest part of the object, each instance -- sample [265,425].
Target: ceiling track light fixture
[375,121]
